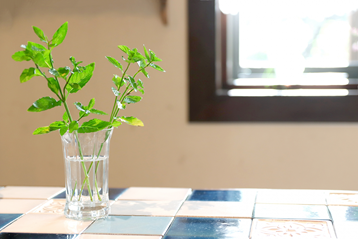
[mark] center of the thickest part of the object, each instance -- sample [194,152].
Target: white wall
[168,151]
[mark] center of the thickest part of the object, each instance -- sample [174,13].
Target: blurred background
[169,151]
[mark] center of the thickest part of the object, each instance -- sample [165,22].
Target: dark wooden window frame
[205,105]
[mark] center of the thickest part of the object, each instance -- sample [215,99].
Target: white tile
[145,208]
[15,192]
[94,236]
[53,206]
[346,230]
[47,223]
[343,199]
[18,205]
[303,197]
[271,228]
[155,194]
[216,209]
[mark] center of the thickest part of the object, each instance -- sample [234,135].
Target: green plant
[74,79]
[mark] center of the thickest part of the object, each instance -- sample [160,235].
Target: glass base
[82,212]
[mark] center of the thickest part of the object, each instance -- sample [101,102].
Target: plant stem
[74,189]
[81,156]
[115,100]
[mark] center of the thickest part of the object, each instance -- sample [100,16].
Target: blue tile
[281,211]
[189,227]
[223,195]
[36,236]
[196,237]
[114,193]
[343,213]
[7,218]
[61,195]
[130,225]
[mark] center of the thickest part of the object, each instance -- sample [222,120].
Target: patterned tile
[5,219]
[270,228]
[18,205]
[94,236]
[36,236]
[47,223]
[304,197]
[277,211]
[216,209]
[244,195]
[183,227]
[346,230]
[343,199]
[15,192]
[145,208]
[53,206]
[344,213]
[130,225]
[155,194]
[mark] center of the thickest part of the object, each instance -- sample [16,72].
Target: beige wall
[168,151]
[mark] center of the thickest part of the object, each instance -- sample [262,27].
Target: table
[183,213]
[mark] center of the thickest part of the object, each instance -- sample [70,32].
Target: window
[242,84]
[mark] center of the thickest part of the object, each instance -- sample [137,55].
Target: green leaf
[131,121]
[120,105]
[27,74]
[79,79]
[156,67]
[74,62]
[141,91]
[73,126]
[44,103]
[35,47]
[133,83]
[140,83]
[145,73]
[115,92]
[154,57]
[42,130]
[118,81]
[146,53]
[98,112]
[82,108]
[130,99]
[65,117]
[134,56]
[39,54]
[21,56]
[93,126]
[63,71]
[63,130]
[91,104]
[40,34]
[54,72]
[53,84]
[124,48]
[116,124]
[59,35]
[114,62]
[56,125]
[42,59]
[142,63]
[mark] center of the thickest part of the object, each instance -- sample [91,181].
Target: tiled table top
[183,213]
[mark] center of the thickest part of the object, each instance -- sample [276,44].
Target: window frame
[206,105]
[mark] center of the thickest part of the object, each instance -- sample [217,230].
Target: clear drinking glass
[86,169]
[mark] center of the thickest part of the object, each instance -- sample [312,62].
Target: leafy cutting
[64,81]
